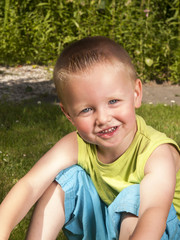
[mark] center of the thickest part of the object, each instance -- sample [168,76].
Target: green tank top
[128,169]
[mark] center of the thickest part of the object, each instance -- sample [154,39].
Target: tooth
[109,130]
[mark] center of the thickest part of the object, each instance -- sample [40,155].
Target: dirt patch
[161,93]
[35,82]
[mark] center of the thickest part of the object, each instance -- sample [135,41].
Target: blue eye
[113,101]
[86,110]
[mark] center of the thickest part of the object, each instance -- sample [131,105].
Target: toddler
[116,177]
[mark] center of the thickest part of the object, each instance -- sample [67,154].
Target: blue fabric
[88,218]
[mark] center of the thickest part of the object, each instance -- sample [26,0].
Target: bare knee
[52,202]
[53,193]
[49,215]
[128,224]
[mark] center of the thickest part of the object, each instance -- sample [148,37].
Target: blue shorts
[88,217]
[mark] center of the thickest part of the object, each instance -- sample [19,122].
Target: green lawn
[28,130]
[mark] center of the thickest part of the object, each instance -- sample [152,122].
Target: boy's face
[101,104]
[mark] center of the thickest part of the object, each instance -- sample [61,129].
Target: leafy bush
[35,31]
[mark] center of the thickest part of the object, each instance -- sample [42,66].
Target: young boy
[131,175]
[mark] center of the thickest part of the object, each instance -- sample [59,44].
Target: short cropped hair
[83,54]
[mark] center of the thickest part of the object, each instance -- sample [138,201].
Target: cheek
[83,126]
[127,113]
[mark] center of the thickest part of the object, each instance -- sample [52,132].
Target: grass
[28,130]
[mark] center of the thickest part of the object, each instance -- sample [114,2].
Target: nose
[103,116]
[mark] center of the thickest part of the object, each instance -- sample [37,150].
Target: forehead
[110,66]
[99,79]
[101,72]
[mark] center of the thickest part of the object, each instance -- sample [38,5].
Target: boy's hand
[156,193]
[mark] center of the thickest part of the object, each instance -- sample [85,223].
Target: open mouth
[109,130]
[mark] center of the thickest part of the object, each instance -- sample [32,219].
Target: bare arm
[28,190]
[156,193]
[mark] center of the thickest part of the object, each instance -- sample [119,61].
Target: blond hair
[83,54]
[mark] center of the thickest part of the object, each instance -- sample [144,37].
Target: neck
[107,157]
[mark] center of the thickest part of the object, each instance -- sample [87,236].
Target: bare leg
[48,217]
[128,224]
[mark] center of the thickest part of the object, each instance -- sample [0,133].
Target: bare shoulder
[164,155]
[68,139]
[66,148]
[62,155]
[159,182]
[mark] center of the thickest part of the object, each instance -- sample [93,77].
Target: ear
[137,93]
[66,113]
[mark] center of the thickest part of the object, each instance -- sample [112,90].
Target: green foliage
[35,31]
